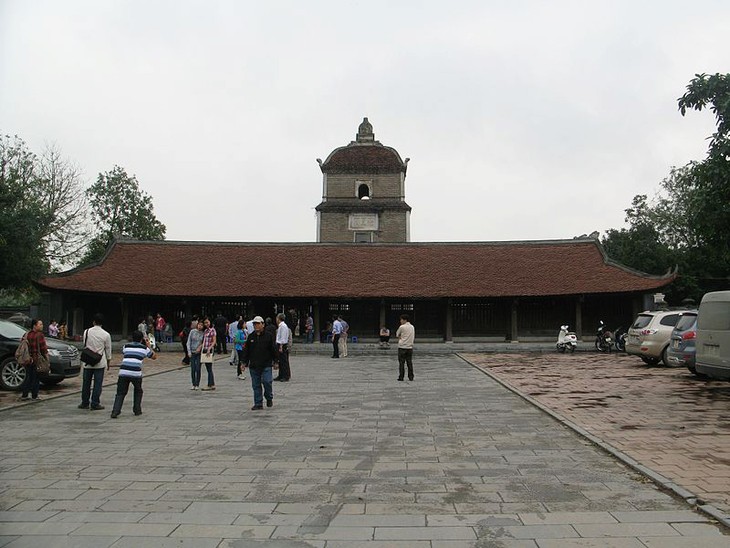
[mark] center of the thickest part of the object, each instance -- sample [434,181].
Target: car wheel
[12,374]
[665,358]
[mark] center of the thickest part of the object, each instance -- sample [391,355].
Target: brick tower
[363,193]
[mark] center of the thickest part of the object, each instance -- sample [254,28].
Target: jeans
[310,336]
[31,383]
[209,369]
[405,355]
[195,368]
[336,346]
[97,377]
[221,345]
[259,377]
[122,389]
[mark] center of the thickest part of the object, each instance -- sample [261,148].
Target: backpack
[22,354]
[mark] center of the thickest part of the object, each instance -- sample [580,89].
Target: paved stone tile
[57,541]
[125,529]
[685,542]
[225,531]
[28,528]
[346,456]
[626,530]
[6,516]
[591,543]
[675,516]
[633,407]
[424,533]
[158,542]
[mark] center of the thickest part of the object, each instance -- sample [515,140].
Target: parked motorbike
[620,335]
[604,338]
[567,340]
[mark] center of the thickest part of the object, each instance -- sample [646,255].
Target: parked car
[681,351]
[650,334]
[64,358]
[713,335]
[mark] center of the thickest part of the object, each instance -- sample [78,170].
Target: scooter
[567,340]
[604,338]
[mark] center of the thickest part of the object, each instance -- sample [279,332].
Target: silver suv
[651,333]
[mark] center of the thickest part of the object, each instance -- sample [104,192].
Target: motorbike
[567,340]
[620,335]
[604,338]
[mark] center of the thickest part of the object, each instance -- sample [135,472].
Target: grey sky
[523,120]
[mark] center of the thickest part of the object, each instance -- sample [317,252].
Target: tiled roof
[353,204]
[363,158]
[413,270]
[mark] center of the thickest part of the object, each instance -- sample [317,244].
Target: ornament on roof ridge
[365,132]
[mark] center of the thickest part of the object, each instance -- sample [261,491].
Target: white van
[713,335]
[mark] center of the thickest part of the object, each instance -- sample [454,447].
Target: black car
[64,359]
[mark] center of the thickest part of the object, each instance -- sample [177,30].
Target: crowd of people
[259,347]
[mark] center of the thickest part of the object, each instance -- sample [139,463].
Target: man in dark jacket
[259,353]
[221,332]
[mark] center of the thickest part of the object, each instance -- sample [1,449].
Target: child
[130,371]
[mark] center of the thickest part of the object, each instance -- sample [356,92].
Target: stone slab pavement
[664,418]
[347,456]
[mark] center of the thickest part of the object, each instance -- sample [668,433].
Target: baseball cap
[258,319]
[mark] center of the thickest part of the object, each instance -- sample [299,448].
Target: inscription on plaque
[363,221]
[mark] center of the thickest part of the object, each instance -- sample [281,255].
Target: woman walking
[239,340]
[37,348]
[195,347]
[209,339]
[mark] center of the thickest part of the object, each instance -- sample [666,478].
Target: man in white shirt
[336,334]
[99,341]
[406,335]
[232,330]
[283,341]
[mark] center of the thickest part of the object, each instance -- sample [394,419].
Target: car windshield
[9,330]
[642,321]
[686,321]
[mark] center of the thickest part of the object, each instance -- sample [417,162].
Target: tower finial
[365,132]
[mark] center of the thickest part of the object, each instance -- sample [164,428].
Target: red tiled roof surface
[413,270]
[365,159]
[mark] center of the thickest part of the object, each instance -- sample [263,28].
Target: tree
[120,208]
[711,197]
[688,222]
[22,255]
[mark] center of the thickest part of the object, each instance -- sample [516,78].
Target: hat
[258,319]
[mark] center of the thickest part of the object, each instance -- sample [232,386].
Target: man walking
[99,341]
[259,352]
[336,334]
[343,336]
[220,323]
[406,335]
[283,338]
[130,372]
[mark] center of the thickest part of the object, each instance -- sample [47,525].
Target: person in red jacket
[37,347]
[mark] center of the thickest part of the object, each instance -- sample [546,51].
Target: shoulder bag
[88,356]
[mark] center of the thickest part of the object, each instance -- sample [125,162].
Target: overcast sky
[522,120]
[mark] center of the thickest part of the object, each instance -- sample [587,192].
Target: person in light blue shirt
[130,372]
[336,334]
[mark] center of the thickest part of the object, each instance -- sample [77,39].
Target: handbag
[42,365]
[88,356]
[207,357]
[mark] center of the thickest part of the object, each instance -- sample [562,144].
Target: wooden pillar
[449,327]
[382,314]
[125,317]
[315,315]
[579,317]
[513,321]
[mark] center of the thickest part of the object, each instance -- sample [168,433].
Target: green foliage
[22,217]
[120,208]
[688,223]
